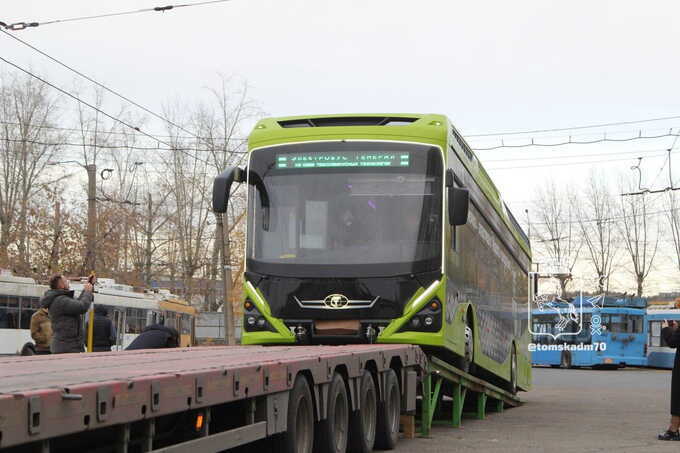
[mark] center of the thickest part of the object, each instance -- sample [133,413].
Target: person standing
[41,331]
[65,313]
[103,334]
[671,336]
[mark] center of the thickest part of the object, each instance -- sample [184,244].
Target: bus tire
[331,433]
[299,436]
[565,360]
[362,423]
[466,362]
[389,410]
[512,385]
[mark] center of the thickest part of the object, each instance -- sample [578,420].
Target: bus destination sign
[344,159]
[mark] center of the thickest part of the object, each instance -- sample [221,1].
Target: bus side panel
[487,268]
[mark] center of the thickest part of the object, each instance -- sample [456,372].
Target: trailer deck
[47,400]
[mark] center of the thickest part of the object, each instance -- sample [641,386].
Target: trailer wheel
[332,432]
[299,436]
[362,423]
[388,413]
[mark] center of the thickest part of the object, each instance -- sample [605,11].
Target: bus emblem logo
[336,301]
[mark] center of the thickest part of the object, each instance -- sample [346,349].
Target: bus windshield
[349,208]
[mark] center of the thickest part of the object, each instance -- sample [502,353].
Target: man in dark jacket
[103,334]
[65,313]
[671,335]
[155,336]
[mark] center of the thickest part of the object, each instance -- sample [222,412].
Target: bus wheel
[332,432]
[565,360]
[388,413]
[465,363]
[362,422]
[512,385]
[299,436]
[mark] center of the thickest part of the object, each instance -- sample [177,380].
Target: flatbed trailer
[211,399]
[205,398]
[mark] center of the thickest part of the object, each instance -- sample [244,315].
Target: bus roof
[428,128]
[431,128]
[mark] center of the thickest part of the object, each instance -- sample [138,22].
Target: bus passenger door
[635,350]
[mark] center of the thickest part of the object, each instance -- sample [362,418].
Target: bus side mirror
[222,187]
[459,201]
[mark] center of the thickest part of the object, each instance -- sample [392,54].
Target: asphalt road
[569,410]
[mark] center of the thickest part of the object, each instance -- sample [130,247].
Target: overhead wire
[573,128]
[162,9]
[562,164]
[101,85]
[572,142]
[123,122]
[131,134]
[99,146]
[568,156]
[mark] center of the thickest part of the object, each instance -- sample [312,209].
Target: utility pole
[54,255]
[147,248]
[90,257]
[226,281]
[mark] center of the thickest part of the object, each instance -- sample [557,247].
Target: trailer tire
[299,436]
[389,410]
[331,434]
[362,422]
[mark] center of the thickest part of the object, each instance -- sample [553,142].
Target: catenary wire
[573,128]
[586,142]
[101,85]
[88,131]
[23,25]
[97,109]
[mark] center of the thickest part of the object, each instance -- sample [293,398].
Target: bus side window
[662,342]
[29,305]
[186,325]
[634,324]
[655,333]
[9,312]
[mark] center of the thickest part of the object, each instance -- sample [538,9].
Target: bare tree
[672,208]
[556,230]
[640,234]
[26,146]
[595,211]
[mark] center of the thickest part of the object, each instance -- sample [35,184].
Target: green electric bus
[381,228]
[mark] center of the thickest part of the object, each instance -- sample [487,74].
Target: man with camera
[65,313]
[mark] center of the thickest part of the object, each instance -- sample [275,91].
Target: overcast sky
[489,65]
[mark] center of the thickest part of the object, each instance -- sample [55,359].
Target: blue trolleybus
[616,338]
[659,355]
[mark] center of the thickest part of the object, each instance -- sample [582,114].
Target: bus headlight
[428,319]
[253,321]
